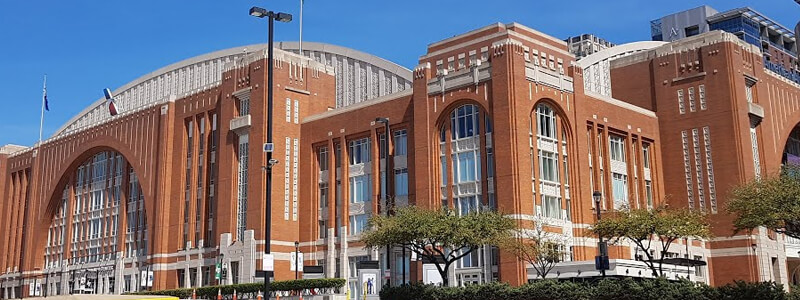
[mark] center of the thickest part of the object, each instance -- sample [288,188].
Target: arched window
[551,164]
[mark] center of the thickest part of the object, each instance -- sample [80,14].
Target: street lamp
[389,201]
[296,259]
[602,258]
[271,16]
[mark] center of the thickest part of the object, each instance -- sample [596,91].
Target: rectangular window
[296,111]
[681,105]
[467,168]
[551,206]
[322,158]
[360,189]
[401,182]
[400,142]
[358,223]
[617,147]
[698,270]
[323,195]
[692,105]
[359,151]
[466,205]
[241,216]
[754,144]
[701,93]
[646,154]
[548,166]
[648,192]
[288,110]
[323,229]
[619,185]
[748,90]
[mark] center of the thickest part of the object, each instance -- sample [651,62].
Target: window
[357,224]
[323,229]
[692,30]
[748,90]
[617,147]
[551,206]
[464,122]
[646,154]
[360,189]
[698,270]
[648,191]
[323,195]
[619,185]
[359,151]
[401,182]
[322,159]
[467,168]
[400,142]
[754,144]
[548,166]
[241,216]
[466,205]
[545,121]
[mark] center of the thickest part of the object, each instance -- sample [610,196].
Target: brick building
[497,117]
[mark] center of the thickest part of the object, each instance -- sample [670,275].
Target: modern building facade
[586,44]
[497,118]
[777,42]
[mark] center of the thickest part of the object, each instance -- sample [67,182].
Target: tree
[441,236]
[772,201]
[540,248]
[643,227]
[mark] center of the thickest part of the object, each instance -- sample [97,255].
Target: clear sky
[85,46]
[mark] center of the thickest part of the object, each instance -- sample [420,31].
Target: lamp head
[596,195]
[382,120]
[283,17]
[258,12]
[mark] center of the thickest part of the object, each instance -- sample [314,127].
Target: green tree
[656,228]
[540,248]
[772,201]
[442,236]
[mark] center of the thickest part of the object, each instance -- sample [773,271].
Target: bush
[323,285]
[610,289]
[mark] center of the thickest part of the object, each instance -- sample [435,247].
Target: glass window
[401,182]
[322,158]
[467,167]
[548,166]
[357,224]
[545,121]
[323,195]
[464,122]
[400,142]
[646,154]
[359,151]
[466,205]
[619,185]
[648,191]
[360,189]
[617,145]
[551,206]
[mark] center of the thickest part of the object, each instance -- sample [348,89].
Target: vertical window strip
[692,105]
[286,177]
[296,111]
[701,92]
[681,105]
[294,179]
[698,168]
[712,191]
[288,110]
[687,168]
[241,217]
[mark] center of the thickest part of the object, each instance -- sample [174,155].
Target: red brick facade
[514,76]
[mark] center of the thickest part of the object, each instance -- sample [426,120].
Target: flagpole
[301,28]
[44,97]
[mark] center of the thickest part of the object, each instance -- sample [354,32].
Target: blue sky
[85,46]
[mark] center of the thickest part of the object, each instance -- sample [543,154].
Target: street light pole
[389,200]
[271,17]
[601,245]
[296,259]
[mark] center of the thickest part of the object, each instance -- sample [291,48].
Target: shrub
[609,289]
[322,285]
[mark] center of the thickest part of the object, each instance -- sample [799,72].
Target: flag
[46,104]
[112,105]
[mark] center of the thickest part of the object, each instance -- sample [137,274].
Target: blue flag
[46,105]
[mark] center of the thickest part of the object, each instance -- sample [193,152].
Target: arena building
[500,117]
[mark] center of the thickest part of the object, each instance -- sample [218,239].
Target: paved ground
[104,297]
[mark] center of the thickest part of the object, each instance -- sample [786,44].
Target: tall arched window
[463,158]
[551,166]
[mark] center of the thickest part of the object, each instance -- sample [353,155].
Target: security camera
[273,162]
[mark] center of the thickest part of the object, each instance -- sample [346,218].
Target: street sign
[601,263]
[268,262]
[218,274]
[269,147]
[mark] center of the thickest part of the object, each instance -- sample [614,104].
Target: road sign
[218,273]
[269,147]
